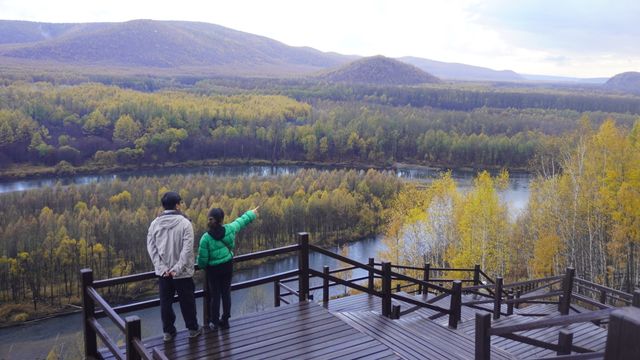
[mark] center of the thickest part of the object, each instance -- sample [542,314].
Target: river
[35,339]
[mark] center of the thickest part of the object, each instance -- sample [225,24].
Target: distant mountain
[564,79]
[379,70]
[627,82]
[159,44]
[457,71]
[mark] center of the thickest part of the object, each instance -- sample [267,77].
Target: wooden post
[636,299]
[276,293]
[603,296]
[510,305]
[483,338]
[398,287]
[425,278]
[456,304]
[623,337]
[395,312]
[567,286]
[303,266]
[325,286]
[386,289]
[565,341]
[518,293]
[132,330]
[371,274]
[497,298]
[88,312]
[476,275]
[206,299]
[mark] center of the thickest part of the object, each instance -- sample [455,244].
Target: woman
[215,255]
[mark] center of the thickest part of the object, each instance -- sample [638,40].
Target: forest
[95,127]
[583,209]
[49,234]
[584,214]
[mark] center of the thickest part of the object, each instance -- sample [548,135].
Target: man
[170,246]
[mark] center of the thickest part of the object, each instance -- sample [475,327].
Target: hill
[159,44]
[627,82]
[380,70]
[457,71]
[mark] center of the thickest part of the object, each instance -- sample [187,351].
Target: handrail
[345,283]
[137,343]
[591,301]
[124,279]
[534,281]
[343,269]
[555,321]
[399,276]
[266,253]
[624,295]
[106,339]
[431,268]
[264,280]
[421,304]
[345,259]
[108,310]
[291,291]
[334,284]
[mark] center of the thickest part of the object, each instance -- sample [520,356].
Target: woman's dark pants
[219,278]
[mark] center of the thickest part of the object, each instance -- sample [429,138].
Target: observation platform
[394,312]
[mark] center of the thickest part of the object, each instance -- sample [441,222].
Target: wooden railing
[622,336]
[494,292]
[387,276]
[131,325]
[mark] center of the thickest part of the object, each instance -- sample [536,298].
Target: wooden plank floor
[301,330]
[352,327]
[413,339]
[362,302]
[586,335]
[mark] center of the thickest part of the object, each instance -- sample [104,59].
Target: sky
[578,38]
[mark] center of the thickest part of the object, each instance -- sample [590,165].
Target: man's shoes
[213,327]
[195,333]
[224,324]
[168,336]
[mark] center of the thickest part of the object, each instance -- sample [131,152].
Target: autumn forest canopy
[582,147]
[49,128]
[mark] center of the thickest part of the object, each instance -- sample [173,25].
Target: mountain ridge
[459,71]
[626,82]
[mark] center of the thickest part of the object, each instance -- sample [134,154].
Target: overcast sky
[582,38]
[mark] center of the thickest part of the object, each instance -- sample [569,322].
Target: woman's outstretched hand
[255,210]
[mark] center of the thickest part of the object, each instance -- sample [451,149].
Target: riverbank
[35,172]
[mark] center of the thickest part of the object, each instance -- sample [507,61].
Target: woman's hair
[216,218]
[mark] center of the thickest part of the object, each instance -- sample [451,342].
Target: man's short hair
[170,199]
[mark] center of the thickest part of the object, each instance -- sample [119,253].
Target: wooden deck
[301,330]
[348,330]
[454,325]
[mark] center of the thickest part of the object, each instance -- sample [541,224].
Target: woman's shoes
[222,325]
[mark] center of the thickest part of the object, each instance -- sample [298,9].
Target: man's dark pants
[185,289]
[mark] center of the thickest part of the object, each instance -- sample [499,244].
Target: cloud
[577,26]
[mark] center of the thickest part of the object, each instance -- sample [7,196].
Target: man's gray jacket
[170,245]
